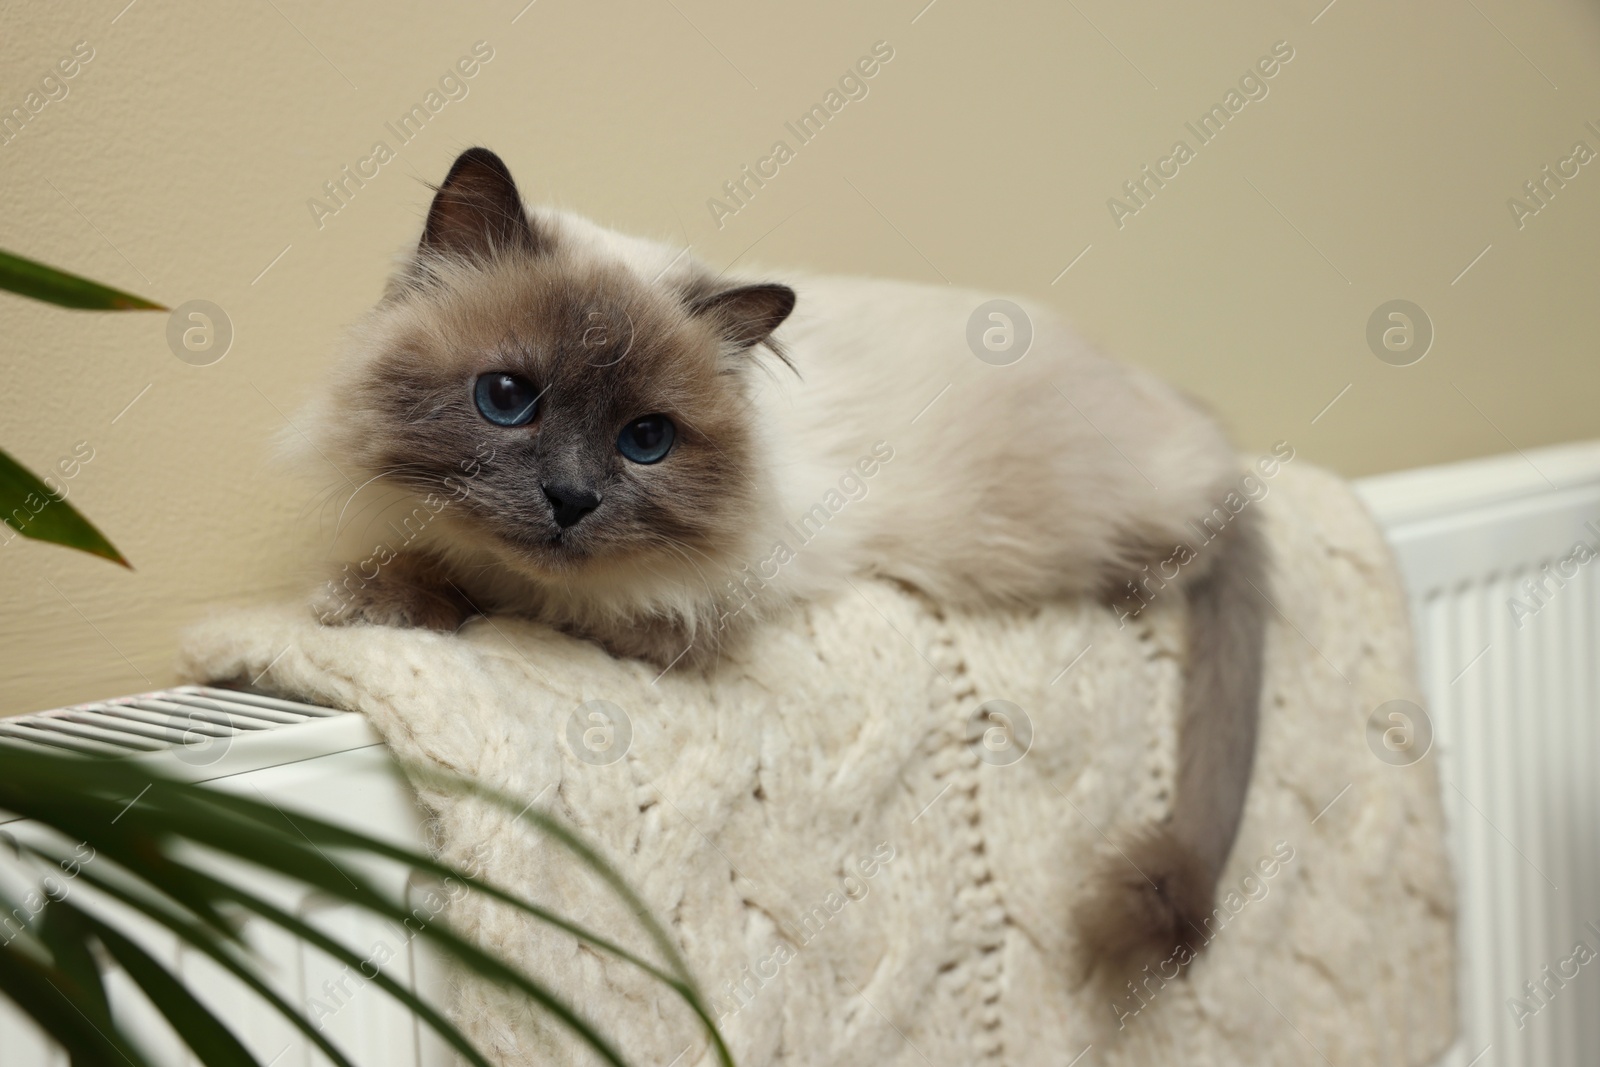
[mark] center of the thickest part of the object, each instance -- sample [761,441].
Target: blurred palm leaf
[55,520]
[146,831]
[32,278]
[33,510]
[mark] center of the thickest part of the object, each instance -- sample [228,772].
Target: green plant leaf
[29,507]
[188,880]
[312,936]
[681,981]
[65,934]
[203,1032]
[199,937]
[46,995]
[301,859]
[464,951]
[76,795]
[32,278]
[247,842]
[266,835]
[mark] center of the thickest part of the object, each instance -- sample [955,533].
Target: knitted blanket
[867,830]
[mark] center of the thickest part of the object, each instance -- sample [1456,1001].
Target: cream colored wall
[181,163]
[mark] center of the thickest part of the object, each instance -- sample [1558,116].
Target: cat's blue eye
[506,399]
[647,440]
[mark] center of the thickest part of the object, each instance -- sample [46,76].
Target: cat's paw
[660,644]
[395,606]
[407,596]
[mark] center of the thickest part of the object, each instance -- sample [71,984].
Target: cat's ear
[477,213]
[746,316]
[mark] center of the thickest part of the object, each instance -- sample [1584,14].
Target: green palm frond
[27,504]
[146,831]
[29,277]
[32,509]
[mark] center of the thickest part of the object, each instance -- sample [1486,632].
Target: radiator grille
[1511,680]
[188,716]
[329,764]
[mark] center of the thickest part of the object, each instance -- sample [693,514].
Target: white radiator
[1511,676]
[330,764]
[1510,692]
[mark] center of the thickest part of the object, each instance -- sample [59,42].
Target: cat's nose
[569,503]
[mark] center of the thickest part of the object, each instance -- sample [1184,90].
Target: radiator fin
[152,722]
[1510,680]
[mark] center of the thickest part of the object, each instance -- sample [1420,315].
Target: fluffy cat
[604,434]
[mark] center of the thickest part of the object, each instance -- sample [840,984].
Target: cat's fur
[1061,475]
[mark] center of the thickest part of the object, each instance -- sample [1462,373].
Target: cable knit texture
[866,860]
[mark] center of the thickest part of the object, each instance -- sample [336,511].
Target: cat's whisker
[678,550]
[338,523]
[686,546]
[683,550]
[319,501]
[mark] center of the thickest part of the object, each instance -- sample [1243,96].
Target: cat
[607,435]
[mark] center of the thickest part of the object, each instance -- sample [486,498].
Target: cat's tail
[1152,903]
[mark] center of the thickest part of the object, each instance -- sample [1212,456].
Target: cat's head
[575,412]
